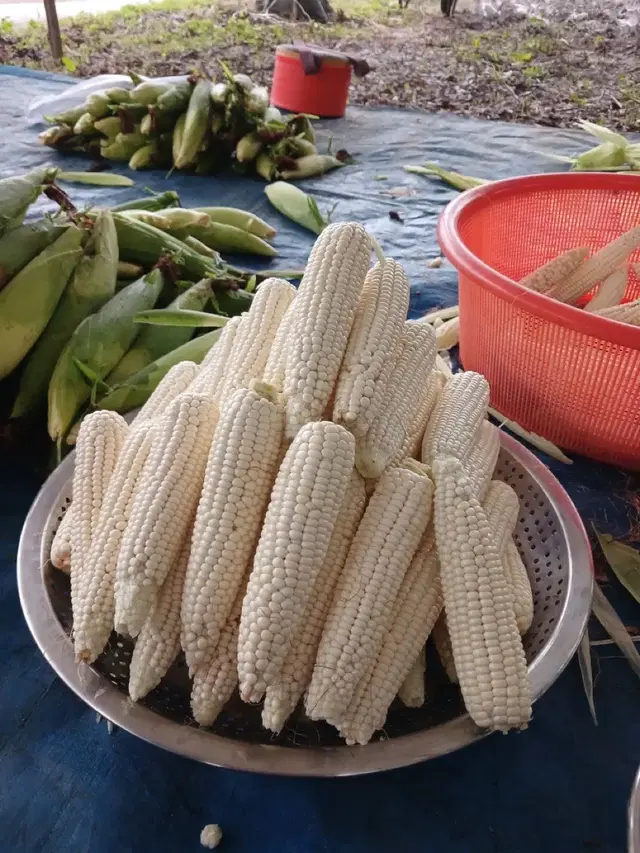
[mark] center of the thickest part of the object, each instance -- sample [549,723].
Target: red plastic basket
[570,376]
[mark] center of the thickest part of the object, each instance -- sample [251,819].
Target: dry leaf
[584,659]
[613,625]
[624,561]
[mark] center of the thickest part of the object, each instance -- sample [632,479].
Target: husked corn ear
[368,362]
[408,382]
[255,335]
[284,694]
[173,383]
[411,692]
[305,501]
[487,648]
[99,442]
[457,420]
[215,364]
[414,613]
[61,545]
[518,577]
[597,268]
[502,507]
[483,458]
[380,554]
[158,642]
[448,334]
[610,292]
[93,623]
[627,313]
[325,306]
[241,470]
[277,358]
[215,681]
[442,642]
[164,502]
[413,441]
[555,271]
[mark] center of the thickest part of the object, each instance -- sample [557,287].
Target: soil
[500,66]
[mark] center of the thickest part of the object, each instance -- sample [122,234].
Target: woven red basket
[568,375]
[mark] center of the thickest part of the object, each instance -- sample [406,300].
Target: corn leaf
[586,671]
[251,284]
[603,134]
[454,179]
[178,317]
[97,179]
[613,625]
[624,561]
[531,438]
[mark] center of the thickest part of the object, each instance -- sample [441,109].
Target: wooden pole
[53,28]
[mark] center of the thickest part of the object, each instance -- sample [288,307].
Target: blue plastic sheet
[67,786]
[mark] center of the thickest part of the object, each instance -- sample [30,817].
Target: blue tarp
[67,786]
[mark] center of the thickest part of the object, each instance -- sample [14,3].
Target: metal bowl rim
[218,751]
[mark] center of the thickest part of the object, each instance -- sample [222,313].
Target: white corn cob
[487,648]
[448,335]
[441,314]
[521,585]
[442,642]
[458,417]
[165,500]
[305,501]
[610,292]
[408,382]
[414,613]
[158,642]
[554,271]
[597,268]
[241,469]
[627,313]
[483,458]
[373,341]
[215,681]
[256,336]
[277,360]
[93,623]
[380,554]
[177,380]
[413,440]
[411,692]
[325,307]
[97,449]
[213,369]
[61,545]
[284,694]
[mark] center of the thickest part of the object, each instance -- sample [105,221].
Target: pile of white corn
[302,510]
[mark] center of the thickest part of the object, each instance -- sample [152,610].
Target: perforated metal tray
[555,550]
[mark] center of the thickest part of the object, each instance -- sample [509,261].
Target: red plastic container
[311,80]
[568,375]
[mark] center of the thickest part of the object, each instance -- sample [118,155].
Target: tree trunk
[297,10]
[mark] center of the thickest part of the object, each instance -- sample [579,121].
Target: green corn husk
[311,166]
[603,156]
[118,95]
[301,147]
[30,298]
[135,139]
[110,126]
[257,101]
[132,114]
[454,179]
[20,245]
[180,218]
[95,179]
[216,124]
[178,136]
[273,114]
[85,124]
[155,341]
[266,166]
[68,117]
[98,343]
[233,302]
[181,319]
[147,93]
[300,125]
[92,284]
[144,244]
[17,194]
[219,94]
[151,217]
[54,136]
[175,99]
[199,247]
[296,205]
[240,219]
[249,147]
[146,125]
[139,387]
[97,105]
[153,202]
[196,124]
[118,151]
[128,272]
[228,238]
[143,157]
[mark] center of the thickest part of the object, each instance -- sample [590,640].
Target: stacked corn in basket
[300,512]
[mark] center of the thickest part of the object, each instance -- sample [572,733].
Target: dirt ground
[502,66]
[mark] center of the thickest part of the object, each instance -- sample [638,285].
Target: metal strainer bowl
[553,545]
